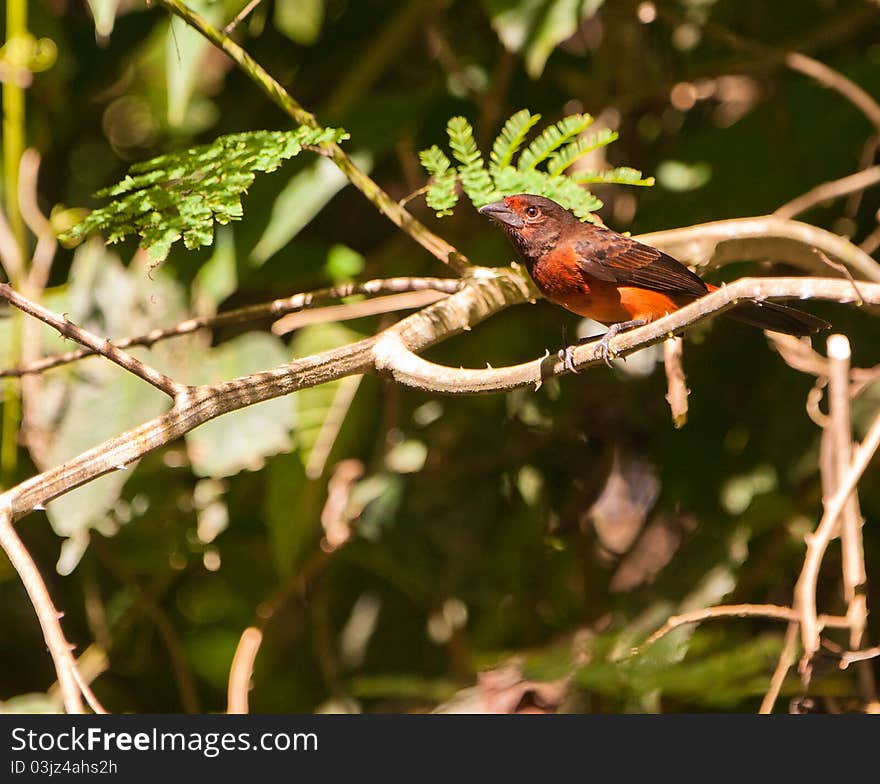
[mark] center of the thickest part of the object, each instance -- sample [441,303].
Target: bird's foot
[605,352]
[567,356]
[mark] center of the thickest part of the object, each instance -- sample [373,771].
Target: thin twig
[838,82]
[676,383]
[772,611]
[786,660]
[354,310]
[101,346]
[817,543]
[240,16]
[250,313]
[48,616]
[830,190]
[839,435]
[242,669]
[434,244]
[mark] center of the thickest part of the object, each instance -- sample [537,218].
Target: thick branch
[393,357]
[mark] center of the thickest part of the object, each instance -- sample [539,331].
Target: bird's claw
[604,350]
[567,356]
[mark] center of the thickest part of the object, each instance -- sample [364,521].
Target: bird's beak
[500,212]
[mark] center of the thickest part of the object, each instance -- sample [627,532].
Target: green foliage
[441,195]
[557,147]
[182,194]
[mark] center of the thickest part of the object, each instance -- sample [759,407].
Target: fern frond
[182,194]
[441,195]
[510,139]
[475,179]
[565,157]
[622,175]
[551,139]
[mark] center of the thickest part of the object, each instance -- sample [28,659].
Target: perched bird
[616,280]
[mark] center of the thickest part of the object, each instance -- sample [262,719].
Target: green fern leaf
[441,195]
[561,160]
[622,175]
[475,180]
[510,139]
[182,194]
[551,139]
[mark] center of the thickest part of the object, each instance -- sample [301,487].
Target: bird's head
[533,223]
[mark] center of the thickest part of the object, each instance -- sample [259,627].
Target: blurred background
[392,545]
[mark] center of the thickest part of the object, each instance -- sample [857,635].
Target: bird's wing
[617,259]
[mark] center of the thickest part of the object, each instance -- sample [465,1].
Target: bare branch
[394,358]
[830,190]
[676,383]
[766,237]
[101,346]
[242,669]
[838,82]
[839,435]
[772,611]
[786,660]
[250,313]
[48,616]
[817,543]
[353,310]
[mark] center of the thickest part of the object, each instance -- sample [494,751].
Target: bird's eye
[532,212]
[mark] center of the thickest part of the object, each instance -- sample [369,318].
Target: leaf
[441,196]
[622,175]
[474,178]
[512,135]
[182,194]
[537,27]
[551,138]
[562,159]
[243,439]
[557,146]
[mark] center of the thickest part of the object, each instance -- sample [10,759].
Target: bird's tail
[777,318]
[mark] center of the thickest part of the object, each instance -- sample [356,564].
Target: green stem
[435,245]
[13,147]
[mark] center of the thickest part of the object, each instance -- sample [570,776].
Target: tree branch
[817,543]
[250,313]
[771,611]
[48,616]
[830,190]
[99,345]
[435,245]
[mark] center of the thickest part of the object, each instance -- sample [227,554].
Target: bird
[595,272]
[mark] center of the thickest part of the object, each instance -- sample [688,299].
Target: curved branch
[830,190]
[391,355]
[765,237]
